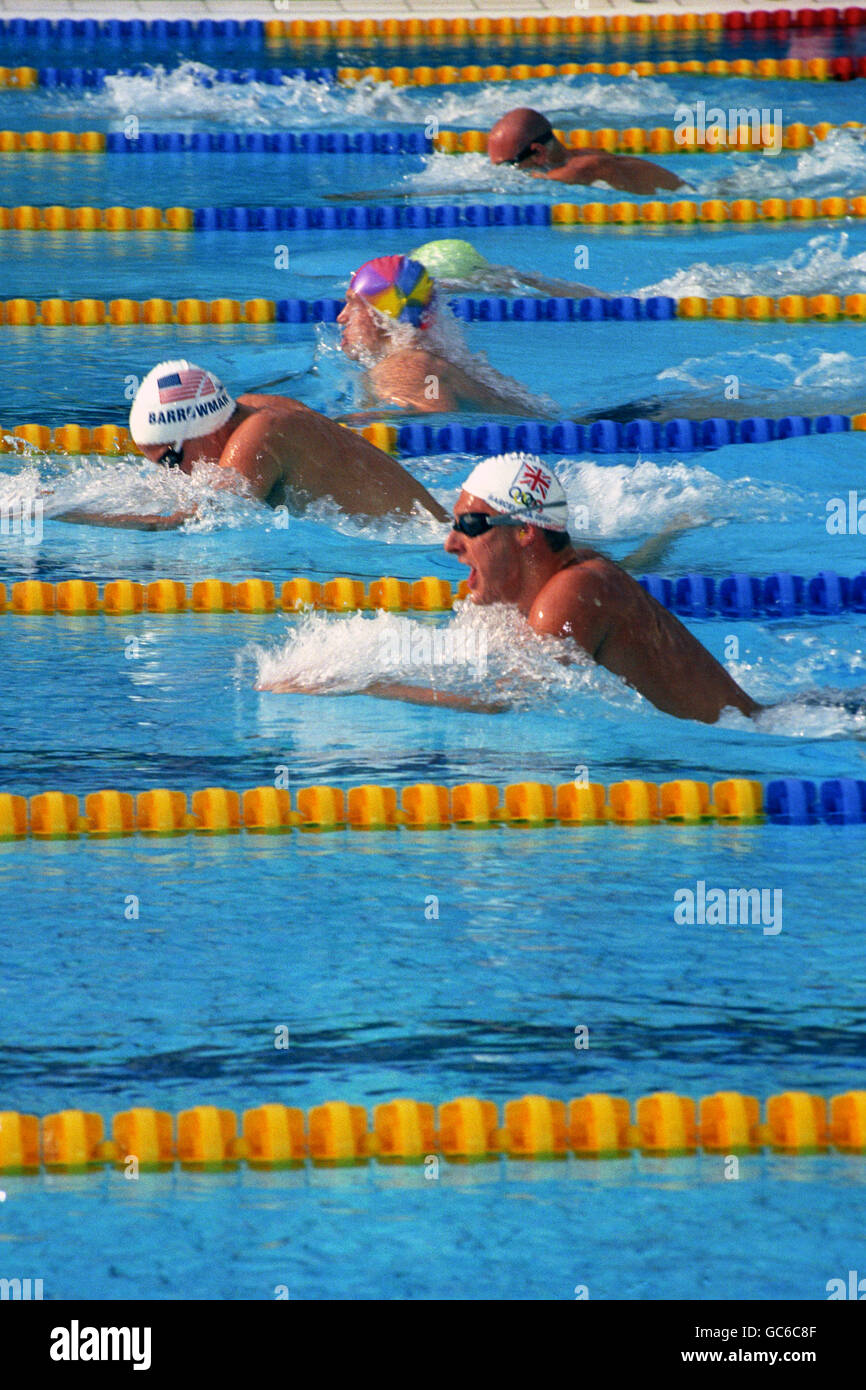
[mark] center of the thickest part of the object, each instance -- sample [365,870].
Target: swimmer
[269,447]
[389,323]
[510,528]
[456,265]
[526,139]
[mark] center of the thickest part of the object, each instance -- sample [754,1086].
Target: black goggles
[476,523]
[529,150]
[172,458]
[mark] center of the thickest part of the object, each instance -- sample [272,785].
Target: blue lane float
[791,801]
[779,595]
[564,436]
[78,78]
[125,33]
[280,142]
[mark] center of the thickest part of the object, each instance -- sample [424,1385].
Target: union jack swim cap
[520,485]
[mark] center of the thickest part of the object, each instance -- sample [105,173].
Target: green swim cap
[449,258]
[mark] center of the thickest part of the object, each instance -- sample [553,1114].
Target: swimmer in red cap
[526,139]
[390,327]
[270,447]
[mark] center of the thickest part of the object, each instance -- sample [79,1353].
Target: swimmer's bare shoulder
[576,601]
[608,614]
[261,446]
[278,436]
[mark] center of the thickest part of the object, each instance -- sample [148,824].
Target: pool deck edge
[364,9]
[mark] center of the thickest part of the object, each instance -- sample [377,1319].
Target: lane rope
[632,140]
[57,815]
[563,437]
[252,33]
[842,69]
[419,216]
[215,142]
[85,313]
[744,596]
[534,1126]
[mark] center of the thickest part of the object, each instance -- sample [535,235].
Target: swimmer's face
[362,335]
[204,448]
[494,574]
[156,453]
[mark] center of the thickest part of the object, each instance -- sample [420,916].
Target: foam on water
[191,90]
[622,500]
[834,165]
[111,486]
[824,264]
[490,652]
[491,655]
[627,501]
[764,373]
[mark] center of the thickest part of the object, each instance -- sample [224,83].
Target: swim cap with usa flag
[520,485]
[178,401]
[396,286]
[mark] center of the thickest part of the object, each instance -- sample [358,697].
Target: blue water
[537,931]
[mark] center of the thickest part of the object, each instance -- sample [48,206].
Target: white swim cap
[520,485]
[178,401]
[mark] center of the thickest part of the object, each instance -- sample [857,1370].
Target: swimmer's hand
[129,521]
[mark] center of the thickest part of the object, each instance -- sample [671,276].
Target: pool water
[538,932]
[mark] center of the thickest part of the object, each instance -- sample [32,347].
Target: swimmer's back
[310,456]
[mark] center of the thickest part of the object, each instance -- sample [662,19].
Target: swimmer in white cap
[511,529]
[271,448]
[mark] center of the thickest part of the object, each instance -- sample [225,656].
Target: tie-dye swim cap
[395,285]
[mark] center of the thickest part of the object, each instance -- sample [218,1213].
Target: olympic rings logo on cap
[525,499]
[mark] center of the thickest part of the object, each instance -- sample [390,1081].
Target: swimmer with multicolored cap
[389,325]
[271,448]
[511,529]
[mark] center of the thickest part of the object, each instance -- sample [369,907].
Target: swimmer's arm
[364,417]
[366,195]
[655,550]
[504,277]
[425,695]
[410,694]
[128,521]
